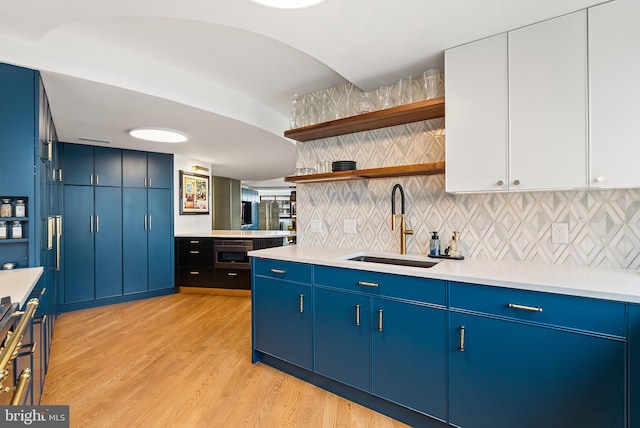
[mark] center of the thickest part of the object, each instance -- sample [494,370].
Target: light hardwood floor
[181,361]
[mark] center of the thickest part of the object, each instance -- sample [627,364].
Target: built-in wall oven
[232,253]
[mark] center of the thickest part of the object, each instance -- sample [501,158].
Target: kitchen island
[470,343]
[217,260]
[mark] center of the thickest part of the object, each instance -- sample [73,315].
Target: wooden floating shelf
[415,112]
[359,174]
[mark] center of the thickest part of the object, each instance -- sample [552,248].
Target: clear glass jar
[3,230]
[16,230]
[21,210]
[5,208]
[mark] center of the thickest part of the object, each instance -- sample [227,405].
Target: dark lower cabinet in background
[194,262]
[196,265]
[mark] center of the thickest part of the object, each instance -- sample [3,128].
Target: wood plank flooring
[181,361]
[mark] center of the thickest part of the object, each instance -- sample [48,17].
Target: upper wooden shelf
[422,110]
[358,174]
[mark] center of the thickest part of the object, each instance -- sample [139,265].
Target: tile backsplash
[604,225]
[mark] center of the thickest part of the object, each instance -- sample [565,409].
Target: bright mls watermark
[34,416]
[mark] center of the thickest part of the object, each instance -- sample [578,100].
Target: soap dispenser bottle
[434,247]
[455,249]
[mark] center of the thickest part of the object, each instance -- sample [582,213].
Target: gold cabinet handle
[525,308]
[232,273]
[194,242]
[461,347]
[21,387]
[301,303]
[516,182]
[194,252]
[367,284]
[97,223]
[380,320]
[357,314]
[194,272]
[279,271]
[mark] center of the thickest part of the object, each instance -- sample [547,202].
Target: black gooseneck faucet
[403,226]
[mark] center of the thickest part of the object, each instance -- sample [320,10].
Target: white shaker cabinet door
[614,77]
[476,116]
[548,104]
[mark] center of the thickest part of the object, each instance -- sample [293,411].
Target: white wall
[189,223]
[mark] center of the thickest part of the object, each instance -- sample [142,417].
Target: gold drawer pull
[367,284]
[194,252]
[279,271]
[461,347]
[525,308]
[194,272]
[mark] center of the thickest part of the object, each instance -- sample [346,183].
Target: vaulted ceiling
[223,70]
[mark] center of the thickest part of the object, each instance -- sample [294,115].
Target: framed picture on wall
[194,193]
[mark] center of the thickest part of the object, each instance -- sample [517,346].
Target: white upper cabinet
[476,116]
[516,109]
[614,83]
[548,104]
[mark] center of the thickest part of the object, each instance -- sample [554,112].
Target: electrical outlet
[560,233]
[316,225]
[349,226]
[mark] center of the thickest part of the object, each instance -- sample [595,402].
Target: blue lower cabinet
[282,320]
[506,374]
[343,337]
[409,356]
[634,366]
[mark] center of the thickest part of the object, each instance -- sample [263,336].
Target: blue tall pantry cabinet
[29,170]
[148,248]
[118,243]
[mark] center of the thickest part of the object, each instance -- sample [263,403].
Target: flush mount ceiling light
[159,135]
[288,4]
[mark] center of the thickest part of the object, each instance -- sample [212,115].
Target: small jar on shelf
[16,230]
[5,207]
[21,210]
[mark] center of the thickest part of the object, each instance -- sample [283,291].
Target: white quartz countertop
[18,283]
[602,283]
[238,234]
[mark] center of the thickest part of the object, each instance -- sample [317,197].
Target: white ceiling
[223,70]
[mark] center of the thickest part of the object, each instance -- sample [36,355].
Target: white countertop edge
[584,281]
[18,283]
[238,234]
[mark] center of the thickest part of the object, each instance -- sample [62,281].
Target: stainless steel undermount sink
[393,261]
